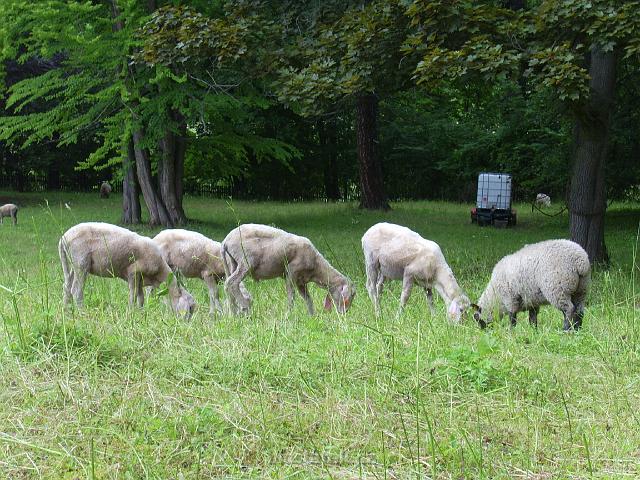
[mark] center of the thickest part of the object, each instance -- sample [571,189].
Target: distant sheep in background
[555,272]
[542,200]
[110,251]
[9,210]
[105,190]
[194,256]
[394,252]
[266,252]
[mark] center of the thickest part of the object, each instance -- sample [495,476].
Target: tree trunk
[587,197]
[131,212]
[157,211]
[329,150]
[170,171]
[372,193]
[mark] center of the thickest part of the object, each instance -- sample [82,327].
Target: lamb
[542,200]
[107,250]
[394,252]
[194,256]
[265,252]
[555,272]
[9,210]
[105,189]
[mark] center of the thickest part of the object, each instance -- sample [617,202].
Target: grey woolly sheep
[110,251]
[265,252]
[394,252]
[9,210]
[105,190]
[542,200]
[555,272]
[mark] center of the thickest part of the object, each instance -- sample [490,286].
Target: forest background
[335,100]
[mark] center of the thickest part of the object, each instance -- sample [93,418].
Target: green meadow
[111,392]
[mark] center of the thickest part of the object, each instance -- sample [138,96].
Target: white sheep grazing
[107,250]
[105,190]
[555,272]
[194,256]
[393,252]
[265,252]
[543,200]
[9,210]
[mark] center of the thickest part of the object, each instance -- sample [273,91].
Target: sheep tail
[66,269]
[583,269]
[226,260]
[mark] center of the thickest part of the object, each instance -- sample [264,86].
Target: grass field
[111,392]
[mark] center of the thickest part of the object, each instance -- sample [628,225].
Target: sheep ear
[344,293]
[328,302]
[454,309]
[476,307]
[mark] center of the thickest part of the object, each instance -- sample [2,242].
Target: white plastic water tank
[494,191]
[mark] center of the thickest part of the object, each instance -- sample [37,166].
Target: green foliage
[548,41]
[478,367]
[355,50]
[99,93]
[435,146]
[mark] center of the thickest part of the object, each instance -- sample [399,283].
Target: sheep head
[477,315]
[340,295]
[457,307]
[182,302]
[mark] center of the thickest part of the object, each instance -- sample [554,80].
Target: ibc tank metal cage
[493,201]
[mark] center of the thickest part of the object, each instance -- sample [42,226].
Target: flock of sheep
[555,272]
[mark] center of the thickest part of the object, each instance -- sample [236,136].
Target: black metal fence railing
[33,182]
[239,189]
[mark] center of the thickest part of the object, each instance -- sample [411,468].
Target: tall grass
[113,392]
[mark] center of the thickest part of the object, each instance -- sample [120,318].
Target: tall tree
[587,196]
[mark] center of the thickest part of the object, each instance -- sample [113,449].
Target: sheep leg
[407,285]
[67,286]
[304,293]
[77,289]
[371,288]
[577,316]
[14,217]
[513,318]
[429,294]
[214,297]
[290,290]
[140,291]
[566,307]
[533,316]
[133,288]
[234,292]
[245,293]
[578,301]
[373,276]
[378,292]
